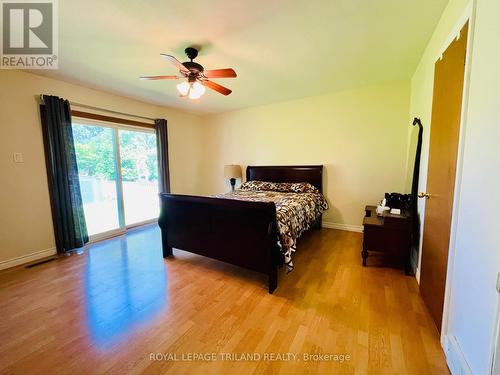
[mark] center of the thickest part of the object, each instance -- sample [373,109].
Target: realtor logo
[29,34]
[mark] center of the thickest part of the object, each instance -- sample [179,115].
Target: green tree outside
[94,146]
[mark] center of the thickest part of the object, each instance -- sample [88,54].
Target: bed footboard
[237,232]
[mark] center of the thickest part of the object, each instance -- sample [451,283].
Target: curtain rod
[104,110]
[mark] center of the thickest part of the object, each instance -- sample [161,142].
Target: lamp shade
[232,171]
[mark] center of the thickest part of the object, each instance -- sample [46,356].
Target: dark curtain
[162,152]
[64,186]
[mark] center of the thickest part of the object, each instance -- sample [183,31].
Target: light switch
[18,157]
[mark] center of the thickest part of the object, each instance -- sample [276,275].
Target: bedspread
[295,211]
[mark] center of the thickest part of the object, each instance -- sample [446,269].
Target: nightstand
[387,234]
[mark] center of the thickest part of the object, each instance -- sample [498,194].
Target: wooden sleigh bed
[242,233]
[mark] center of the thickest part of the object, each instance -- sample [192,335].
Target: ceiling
[281,49]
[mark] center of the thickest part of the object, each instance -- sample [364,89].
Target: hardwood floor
[112,308]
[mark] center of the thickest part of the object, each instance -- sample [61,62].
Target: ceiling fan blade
[171,59]
[216,87]
[220,73]
[153,78]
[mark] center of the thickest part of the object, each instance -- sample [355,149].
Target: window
[118,174]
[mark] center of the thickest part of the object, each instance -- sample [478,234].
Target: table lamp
[232,172]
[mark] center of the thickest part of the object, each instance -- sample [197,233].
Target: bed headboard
[288,173]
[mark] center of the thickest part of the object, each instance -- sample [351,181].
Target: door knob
[424,195]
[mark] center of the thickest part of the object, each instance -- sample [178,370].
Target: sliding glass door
[118,173]
[139,169]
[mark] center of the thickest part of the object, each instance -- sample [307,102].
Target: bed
[247,228]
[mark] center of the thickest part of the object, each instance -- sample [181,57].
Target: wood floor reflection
[109,309]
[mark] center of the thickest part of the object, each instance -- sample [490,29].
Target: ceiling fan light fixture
[192,90]
[197,90]
[183,88]
[193,95]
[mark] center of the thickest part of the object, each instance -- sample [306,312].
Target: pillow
[304,187]
[284,187]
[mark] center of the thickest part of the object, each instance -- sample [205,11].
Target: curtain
[64,186]
[162,152]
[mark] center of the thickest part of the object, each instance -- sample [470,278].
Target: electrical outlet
[18,157]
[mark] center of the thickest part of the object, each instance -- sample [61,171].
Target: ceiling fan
[197,77]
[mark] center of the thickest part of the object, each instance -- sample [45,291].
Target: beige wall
[25,220]
[359,135]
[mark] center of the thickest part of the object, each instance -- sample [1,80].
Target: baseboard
[27,258]
[455,357]
[347,227]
